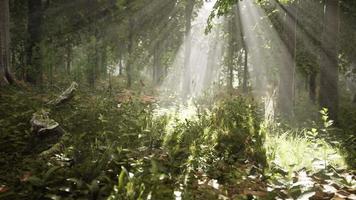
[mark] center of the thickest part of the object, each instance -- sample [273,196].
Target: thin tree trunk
[329,93]
[97,58]
[187,52]
[156,65]
[129,50]
[120,63]
[287,71]
[231,56]
[312,86]
[245,75]
[5,75]
[34,58]
[91,70]
[69,59]
[208,76]
[245,53]
[104,62]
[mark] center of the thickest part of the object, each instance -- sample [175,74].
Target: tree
[5,75]
[287,70]
[129,65]
[189,7]
[230,56]
[245,52]
[157,71]
[34,58]
[329,64]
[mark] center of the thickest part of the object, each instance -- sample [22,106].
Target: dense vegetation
[177,99]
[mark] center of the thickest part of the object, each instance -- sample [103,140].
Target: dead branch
[65,96]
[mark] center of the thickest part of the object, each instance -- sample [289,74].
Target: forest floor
[128,146]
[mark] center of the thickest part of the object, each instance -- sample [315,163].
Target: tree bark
[231,55]
[244,47]
[120,63]
[329,94]
[245,75]
[91,69]
[130,56]
[287,71]
[312,86]
[5,74]
[68,58]
[187,50]
[212,60]
[34,58]
[156,65]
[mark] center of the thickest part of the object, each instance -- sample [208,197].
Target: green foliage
[127,152]
[237,124]
[300,158]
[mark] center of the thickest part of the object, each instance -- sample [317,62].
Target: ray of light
[201,56]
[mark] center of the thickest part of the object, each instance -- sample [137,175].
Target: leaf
[33,180]
[75,181]
[306,195]
[53,196]
[4,188]
[329,189]
[50,171]
[94,186]
[352,197]
[25,176]
[122,176]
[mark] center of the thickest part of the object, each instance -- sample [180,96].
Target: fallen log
[48,133]
[65,96]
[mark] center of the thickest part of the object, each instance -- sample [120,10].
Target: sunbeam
[204,48]
[177,99]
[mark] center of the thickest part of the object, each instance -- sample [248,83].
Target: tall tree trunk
[208,76]
[129,51]
[91,70]
[104,61]
[34,58]
[287,71]
[231,55]
[5,75]
[312,86]
[120,63]
[245,75]
[68,58]
[245,53]
[187,51]
[156,65]
[97,58]
[329,94]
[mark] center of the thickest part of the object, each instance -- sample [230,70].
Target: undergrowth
[137,150]
[123,150]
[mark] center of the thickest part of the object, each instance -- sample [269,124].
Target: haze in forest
[177,99]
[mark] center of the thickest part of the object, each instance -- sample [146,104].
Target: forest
[177,99]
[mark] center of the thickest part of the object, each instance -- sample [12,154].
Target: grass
[294,150]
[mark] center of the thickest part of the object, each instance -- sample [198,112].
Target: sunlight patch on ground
[293,153]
